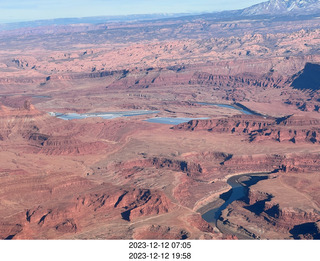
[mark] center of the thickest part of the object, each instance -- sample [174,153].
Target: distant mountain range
[272,8]
[283,7]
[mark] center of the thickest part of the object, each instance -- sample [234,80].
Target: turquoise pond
[162,120]
[173,121]
[244,111]
[103,115]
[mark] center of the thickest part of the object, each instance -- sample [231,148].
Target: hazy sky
[24,10]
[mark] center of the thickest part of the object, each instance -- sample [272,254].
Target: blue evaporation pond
[173,121]
[226,106]
[103,115]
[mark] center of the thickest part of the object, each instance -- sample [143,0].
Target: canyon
[130,178]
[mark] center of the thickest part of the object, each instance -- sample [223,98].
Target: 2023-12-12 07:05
[160,245]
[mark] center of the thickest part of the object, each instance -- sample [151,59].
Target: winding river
[239,189]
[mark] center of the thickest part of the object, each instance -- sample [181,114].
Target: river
[239,189]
